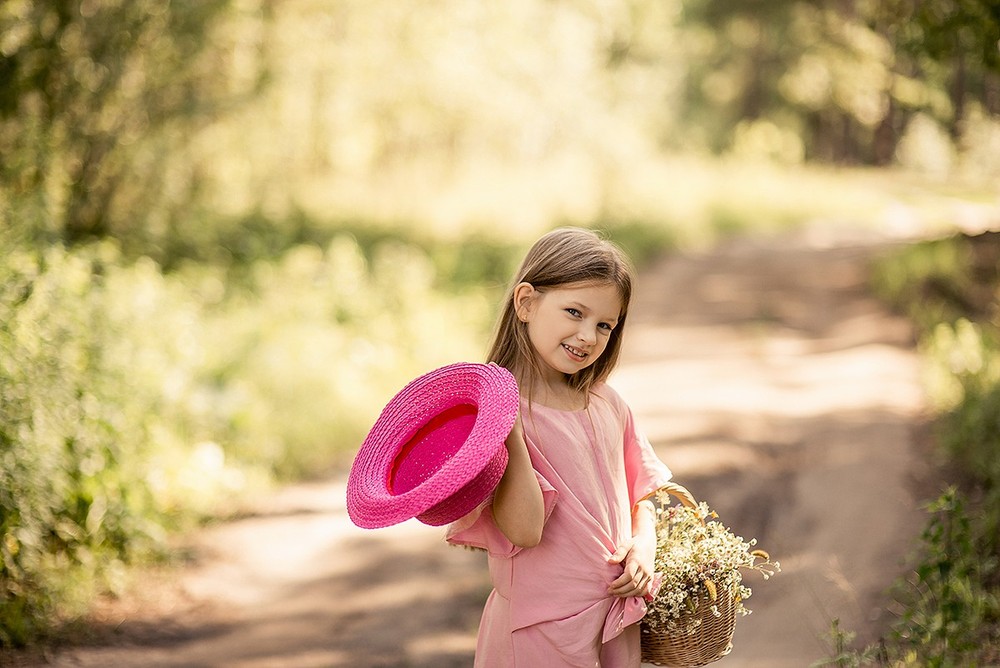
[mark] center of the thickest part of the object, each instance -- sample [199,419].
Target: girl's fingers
[630,583]
[622,581]
[619,555]
[630,589]
[634,581]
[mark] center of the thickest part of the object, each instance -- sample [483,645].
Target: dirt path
[783,394]
[767,378]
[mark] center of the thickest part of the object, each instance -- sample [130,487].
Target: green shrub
[472,259]
[949,615]
[951,601]
[301,362]
[85,348]
[925,281]
[643,241]
[964,367]
[943,280]
[135,402]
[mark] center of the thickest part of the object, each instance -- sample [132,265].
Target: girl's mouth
[575,353]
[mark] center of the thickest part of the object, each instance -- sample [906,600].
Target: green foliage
[845,79]
[468,259]
[944,30]
[135,402]
[188,129]
[302,360]
[969,429]
[95,99]
[951,601]
[921,279]
[971,432]
[951,612]
[85,351]
[642,241]
[844,655]
[942,280]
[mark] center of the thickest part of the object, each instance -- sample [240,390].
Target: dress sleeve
[478,529]
[643,469]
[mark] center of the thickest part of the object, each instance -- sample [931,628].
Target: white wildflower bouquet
[701,562]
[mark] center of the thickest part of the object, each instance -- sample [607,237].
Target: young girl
[568,530]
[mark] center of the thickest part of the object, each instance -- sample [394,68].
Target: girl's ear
[524,294]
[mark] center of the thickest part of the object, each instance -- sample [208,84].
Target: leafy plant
[136,401]
[844,655]
[80,378]
[949,612]
[951,601]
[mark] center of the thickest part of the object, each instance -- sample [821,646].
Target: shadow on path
[781,392]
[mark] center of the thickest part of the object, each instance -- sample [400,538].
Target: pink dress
[550,606]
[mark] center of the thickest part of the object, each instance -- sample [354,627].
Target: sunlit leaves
[86,87]
[950,603]
[134,401]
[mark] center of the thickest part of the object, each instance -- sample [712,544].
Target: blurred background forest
[231,228]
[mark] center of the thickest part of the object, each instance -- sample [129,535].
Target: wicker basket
[710,640]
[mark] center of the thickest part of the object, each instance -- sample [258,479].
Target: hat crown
[434,443]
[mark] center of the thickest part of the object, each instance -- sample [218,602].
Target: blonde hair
[563,257]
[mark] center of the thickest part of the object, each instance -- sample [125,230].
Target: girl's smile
[568,327]
[575,353]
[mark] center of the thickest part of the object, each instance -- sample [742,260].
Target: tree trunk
[958,96]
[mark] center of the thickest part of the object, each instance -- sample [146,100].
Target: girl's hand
[637,554]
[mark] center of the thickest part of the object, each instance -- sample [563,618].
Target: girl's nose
[587,335]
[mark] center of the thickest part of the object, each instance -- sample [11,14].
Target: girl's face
[569,327]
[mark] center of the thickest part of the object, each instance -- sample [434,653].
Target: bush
[87,348]
[943,280]
[950,603]
[302,361]
[950,613]
[136,402]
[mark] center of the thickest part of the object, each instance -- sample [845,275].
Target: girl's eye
[606,326]
[573,312]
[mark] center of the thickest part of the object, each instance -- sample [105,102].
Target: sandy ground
[767,377]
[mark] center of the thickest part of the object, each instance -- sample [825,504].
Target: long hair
[565,256]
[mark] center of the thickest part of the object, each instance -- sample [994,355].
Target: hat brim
[437,449]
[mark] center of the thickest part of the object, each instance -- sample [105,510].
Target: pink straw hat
[437,449]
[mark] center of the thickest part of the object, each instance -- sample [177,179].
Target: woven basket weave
[710,640]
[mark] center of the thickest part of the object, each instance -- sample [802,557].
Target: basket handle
[679,491]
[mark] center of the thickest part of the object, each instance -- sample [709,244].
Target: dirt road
[768,379]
